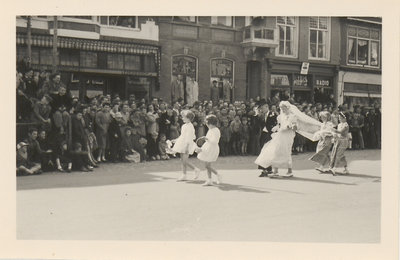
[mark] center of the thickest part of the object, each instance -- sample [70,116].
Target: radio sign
[321,82]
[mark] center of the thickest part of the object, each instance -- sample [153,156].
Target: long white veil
[306,126]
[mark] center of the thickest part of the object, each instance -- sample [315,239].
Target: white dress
[210,149]
[278,151]
[186,138]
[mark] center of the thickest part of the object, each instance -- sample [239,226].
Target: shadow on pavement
[229,187]
[314,180]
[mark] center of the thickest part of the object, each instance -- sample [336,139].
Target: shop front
[90,67]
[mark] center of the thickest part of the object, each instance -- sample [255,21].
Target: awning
[361,94]
[90,45]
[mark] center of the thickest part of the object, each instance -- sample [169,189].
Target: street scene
[146,203]
[199,128]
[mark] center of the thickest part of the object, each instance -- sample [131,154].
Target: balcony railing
[253,37]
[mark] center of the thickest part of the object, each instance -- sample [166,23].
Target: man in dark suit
[266,120]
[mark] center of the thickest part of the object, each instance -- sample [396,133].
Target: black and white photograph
[203,137]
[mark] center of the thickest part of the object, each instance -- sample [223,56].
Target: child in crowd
[185,144]
[244,134]
[162,146]
[235,138]
[225,140]
[63,158]
[128,147]
[152,147]
[24,166]
[209,152]
[174,129]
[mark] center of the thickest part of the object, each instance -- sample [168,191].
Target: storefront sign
[322,81]
[304,68]
[281,80]
[300,80]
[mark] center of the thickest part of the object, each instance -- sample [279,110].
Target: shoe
[182,178]
[289,174]
[333,171]
[320,169]
[103,159]
[90,168]
[219,176]
[95,166]
[61,170]
[345,171]
[263,174]
[68,170]
[83,169]
[208,183]
[196,173]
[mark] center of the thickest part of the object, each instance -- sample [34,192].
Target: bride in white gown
[278,151]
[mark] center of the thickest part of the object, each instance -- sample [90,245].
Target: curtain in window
[374,53]
[351,51]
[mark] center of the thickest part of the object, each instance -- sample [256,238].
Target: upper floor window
[222,20]
[189,19]
[122,21]
[319,38]
[287,35]
[79,17]
[363,46]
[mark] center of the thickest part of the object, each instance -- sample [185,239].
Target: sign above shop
[304,68]
[300,80]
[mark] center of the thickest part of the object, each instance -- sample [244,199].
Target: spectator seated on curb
[24,166]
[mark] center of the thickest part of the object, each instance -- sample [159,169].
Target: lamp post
[54,68]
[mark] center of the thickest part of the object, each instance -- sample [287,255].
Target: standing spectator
[52,86]
[276,100]
[177,90]
[24,165]
[89,115]
[235,138]
[371,128]
[214,92]
[285,96]
[32,87]
[244,133]
[115,136]
[61,106]
[152,124]
[192,91]
[24,104]
[163,118]
[378,125]
[356,125]
[225,141]
[102,122]
[41,113]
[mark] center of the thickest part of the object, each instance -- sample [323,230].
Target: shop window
[280,80]
[363,46]
[287,35]
[188,19]
[319,38]
[46,56]
[121,21]
[80,17]
[69,57]
[222,20]
[132,62]
[222,71]
[88,59]
[115,61]
[184,65]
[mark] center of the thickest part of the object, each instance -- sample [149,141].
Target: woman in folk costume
[341,142]
[278,151]
[324,145]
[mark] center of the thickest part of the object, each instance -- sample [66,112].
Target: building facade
[249,57]
[96,54]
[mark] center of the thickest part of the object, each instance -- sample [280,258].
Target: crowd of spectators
[67,134]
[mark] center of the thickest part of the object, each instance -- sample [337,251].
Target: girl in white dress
[278,151]
[185,145]
[209,152]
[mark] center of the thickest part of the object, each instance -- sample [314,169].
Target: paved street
[144,202]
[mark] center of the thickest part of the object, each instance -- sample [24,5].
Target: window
[319,38]
[188,19]
[88,59]
[46,56]
[132,62]
[121,21]
[80,17]
[287,35]
[222,20]
[184,65]
[222,72]
[363,46]
[115,61]
[69,57]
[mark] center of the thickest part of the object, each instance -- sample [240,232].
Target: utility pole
[29,40]
[55,45]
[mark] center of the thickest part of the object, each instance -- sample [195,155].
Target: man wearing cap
[177,90]
[41,113]
[266,120]
[23,164]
